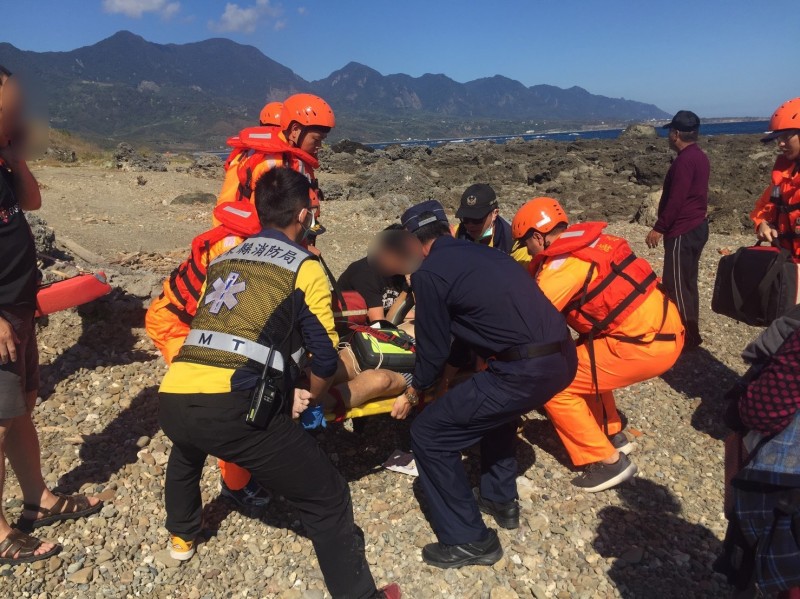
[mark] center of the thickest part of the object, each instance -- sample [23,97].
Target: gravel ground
[654,537]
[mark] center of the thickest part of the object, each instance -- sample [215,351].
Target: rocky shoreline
[656,537]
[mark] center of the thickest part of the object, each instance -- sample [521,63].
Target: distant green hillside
[195,95]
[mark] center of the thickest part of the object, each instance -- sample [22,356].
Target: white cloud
[136,8]
[302,10]
[246,19]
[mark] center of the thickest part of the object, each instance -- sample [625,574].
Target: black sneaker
[252,495]
[505,514]
[482,553]
[600,476]
[621,443]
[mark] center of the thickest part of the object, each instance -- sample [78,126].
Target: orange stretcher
[71,292]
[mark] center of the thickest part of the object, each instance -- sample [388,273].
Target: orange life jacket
[256,145]
[622,283]
[785,196]
[185,284]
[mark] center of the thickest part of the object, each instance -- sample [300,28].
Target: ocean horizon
[711,129]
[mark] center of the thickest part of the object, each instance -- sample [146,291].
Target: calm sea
[748,127]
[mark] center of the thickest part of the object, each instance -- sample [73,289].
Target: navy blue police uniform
[471,295]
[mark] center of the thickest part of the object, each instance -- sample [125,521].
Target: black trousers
[483,409]
[681,264]
[283,458]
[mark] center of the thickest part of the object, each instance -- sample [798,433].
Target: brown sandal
[68,507]
[24,547]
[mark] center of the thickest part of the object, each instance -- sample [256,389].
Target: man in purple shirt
[682,220]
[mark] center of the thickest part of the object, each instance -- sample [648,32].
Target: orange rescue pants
[576,412]
[168,332]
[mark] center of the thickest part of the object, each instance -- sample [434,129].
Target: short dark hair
[281,193]
[559,228]
[689,136]
[432,230]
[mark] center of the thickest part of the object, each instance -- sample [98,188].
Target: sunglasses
[473,221]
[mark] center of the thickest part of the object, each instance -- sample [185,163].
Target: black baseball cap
[773,135]
[423,214]
[477,201]
[684,120]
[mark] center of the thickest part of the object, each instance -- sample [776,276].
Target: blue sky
[716,57]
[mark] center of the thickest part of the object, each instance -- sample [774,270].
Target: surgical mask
[487,233]
[307,229]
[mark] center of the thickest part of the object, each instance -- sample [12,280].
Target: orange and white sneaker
[180,549]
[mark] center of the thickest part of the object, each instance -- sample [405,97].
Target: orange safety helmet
[541,214]
[308,110]
[271,114]
[787,116]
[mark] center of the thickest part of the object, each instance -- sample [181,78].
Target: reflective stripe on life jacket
[617,283]
[244,313]
[183,288]
[256,150]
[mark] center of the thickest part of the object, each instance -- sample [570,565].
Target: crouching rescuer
[231,392]
[630,331]
[486,303]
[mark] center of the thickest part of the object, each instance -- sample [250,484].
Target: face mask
[487,233]
[307,229]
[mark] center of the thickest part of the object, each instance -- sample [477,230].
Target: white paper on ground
[402,462]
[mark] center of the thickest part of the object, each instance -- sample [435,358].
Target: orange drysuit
[168,319]
[255,151]
[576,412]
[779,205]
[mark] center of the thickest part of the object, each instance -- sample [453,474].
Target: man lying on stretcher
[356,384]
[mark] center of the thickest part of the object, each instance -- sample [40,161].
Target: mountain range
[125,88]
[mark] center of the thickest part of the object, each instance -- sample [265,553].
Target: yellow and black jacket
[266,293]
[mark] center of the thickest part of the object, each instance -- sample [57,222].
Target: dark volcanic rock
[43,235]
[399,178]
[61,154]
[195,197]
[639,131]
[350,147]
[610,180]
[651,168]
[127,158]
[207,166]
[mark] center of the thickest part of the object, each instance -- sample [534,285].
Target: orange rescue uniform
[779,205]
[575,412]
[255,151]
[168,319]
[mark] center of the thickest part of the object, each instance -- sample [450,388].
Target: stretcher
[71,292]
[371,408]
